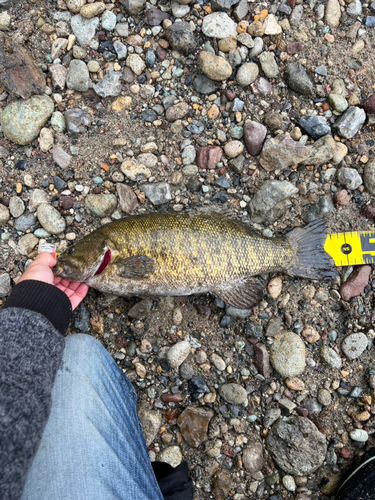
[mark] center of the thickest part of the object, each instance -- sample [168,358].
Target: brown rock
[193,423]
[67,202]
[262,360]
[172,398]
[295,384]
[256,29]
[128,199]
[215,67]
[208,157]
[227,44]
[369,211]
[356,283]
[221,484]
[273,120]
[19,73]
[281,152]
[154,16]
[310,334]
[58,74]
[343,198]
[254,135]
[294,48]
[369,105]
[177,112]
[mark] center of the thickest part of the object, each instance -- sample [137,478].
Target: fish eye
[70,251]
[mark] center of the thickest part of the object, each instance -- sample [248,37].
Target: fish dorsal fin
[242,295]
[136,267]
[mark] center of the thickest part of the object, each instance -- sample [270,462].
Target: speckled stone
[22,120]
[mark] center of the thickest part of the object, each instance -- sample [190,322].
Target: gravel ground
[263,110]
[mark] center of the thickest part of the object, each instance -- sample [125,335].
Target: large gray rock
[22,120]
[321,151]
[281,152]
[84,29]
[4,215]
[151,422]
[78,76]
[233,393]
[252,457]
[223,5]
[109,85]
[330,356]
[101,204]
[288,354]
[133,7]
[297,446]
[349,177]
[50,219]
[297,79]
[269,64]
[219,25]
[369,176]
[271,201]
[181,38]
[158,193]
[332,13]
[350,122]
[5,285]
[354,345]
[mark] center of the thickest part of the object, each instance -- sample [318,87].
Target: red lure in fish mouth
[105,262]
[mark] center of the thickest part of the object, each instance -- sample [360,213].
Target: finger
[65,282]
[46,259]
[76,299]
[82,290]
[57,280]
[73,285]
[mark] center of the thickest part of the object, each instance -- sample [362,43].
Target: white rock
[289,483]
[219,25]
[178,353]
[171,455]
[271,26]
[359,435]
[45,139]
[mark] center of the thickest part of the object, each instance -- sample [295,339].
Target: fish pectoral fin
[242,295]
[136,267]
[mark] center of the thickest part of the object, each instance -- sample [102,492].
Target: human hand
[41,270]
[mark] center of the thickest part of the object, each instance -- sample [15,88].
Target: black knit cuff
[45,299]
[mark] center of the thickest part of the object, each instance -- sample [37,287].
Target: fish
[188,253]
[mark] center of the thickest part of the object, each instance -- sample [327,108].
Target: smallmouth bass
[184,254]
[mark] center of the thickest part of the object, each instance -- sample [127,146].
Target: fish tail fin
[312,261]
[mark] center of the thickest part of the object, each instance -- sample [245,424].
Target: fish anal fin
[242,295]
[136,267]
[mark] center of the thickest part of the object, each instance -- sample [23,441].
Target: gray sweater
[32,324]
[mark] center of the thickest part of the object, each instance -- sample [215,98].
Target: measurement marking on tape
[351,248]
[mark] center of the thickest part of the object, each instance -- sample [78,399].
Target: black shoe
[360,484]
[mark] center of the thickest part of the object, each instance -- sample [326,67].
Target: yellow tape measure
[351,249]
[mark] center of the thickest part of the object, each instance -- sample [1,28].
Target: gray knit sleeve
[31,350]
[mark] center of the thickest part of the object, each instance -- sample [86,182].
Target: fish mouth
[104,263]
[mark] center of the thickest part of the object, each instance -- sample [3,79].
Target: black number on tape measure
[368,243]
[346,249]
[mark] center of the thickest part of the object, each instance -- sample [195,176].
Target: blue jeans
[92,447]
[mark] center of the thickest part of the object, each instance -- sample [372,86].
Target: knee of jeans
[81,349]
[81,341]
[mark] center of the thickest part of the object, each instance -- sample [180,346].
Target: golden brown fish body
[182,254]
